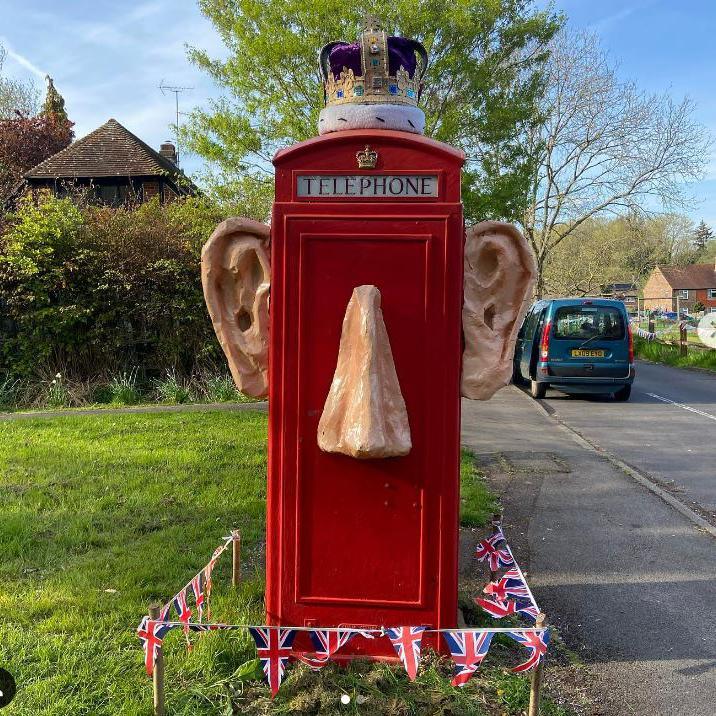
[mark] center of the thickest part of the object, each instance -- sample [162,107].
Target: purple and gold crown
[376,69]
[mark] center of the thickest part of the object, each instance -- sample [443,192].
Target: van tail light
[631,343]
[544,343]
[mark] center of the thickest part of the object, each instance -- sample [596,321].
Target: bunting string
[510,594]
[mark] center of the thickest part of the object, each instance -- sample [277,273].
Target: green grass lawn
[100,515]
[670,355]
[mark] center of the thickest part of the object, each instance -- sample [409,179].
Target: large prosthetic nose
[365,415]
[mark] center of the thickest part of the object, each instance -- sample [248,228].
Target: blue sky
[108,58]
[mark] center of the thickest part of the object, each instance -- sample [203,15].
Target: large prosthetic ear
[236,275]
[499,277]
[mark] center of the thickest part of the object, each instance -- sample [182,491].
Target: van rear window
[582,322]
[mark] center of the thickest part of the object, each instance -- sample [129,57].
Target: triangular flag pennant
[496,608]
[511,584]
[497,557]
[327,642]
[273,646]
[164,613]
[197,587]
[406,642]
[535,642]
[207,577]
[151,633]
[182,608]
[468,649]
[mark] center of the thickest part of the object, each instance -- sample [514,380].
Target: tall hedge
[94,290]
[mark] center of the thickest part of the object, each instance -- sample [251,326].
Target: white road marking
[681,405]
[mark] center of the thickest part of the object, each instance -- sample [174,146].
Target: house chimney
[169,151]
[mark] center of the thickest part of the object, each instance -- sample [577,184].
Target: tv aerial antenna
[177,91]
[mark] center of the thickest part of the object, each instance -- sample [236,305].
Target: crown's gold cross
[371,22]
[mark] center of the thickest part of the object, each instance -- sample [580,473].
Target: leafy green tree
[480,90]
[54,105]
[702,236]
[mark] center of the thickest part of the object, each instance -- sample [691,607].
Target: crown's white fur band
[371,116]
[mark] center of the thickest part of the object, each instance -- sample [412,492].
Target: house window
[683,293]
[712,293]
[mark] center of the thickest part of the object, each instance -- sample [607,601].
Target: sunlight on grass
[102,515]
[669,355]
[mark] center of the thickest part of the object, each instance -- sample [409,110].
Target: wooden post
[236,558]
[651,324]
[537,673]
[158,675]
[683,340]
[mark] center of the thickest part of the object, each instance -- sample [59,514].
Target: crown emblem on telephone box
[376,69]
[367,158]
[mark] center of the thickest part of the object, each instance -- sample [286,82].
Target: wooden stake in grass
[236,561]
[158,675]
[537,673]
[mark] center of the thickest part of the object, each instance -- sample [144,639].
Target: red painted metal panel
[365,542]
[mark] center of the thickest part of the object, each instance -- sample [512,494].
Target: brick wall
[657,292]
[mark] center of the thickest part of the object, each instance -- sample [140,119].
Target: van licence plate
[588,354]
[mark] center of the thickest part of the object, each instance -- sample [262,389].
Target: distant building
[626,292]
[115,165]
[682,286]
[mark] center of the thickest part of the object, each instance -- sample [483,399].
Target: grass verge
[477,503]
[669,355]
[100,515]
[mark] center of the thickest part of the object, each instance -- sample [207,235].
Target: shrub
[123,389]
[99,290]
[58,396]
[221,389]
[172,390]
[9,389]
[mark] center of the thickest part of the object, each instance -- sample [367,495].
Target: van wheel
[538,390]
[623,394]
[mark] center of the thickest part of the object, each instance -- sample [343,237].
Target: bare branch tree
[604,147]
[16,96]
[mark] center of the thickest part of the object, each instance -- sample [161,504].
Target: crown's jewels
[375,70]
[367,159]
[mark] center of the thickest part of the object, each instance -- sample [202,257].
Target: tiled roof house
[668,286]
[116,164]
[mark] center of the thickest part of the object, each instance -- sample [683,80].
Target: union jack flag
[182,608]
[273,646]
[164,614]
[207,575]
[496,557]
[151,633]
[468,649]
[197,587]
[406,642]
[327,642]
[511,584]
[529,610]
[535,642]
[496,608]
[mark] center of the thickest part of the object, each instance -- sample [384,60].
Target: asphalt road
[629,580]
[667,429]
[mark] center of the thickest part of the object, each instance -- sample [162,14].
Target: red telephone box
[372,542]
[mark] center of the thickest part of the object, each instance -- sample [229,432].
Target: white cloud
[21,60]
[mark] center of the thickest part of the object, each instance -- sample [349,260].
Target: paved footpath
[630,581]
[667,429]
